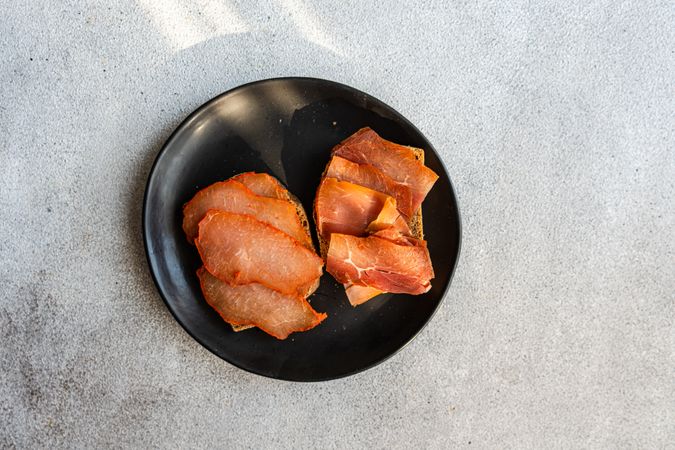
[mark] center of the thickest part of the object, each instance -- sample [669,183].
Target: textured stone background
[557,124]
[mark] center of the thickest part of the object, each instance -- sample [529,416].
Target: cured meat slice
[255,304]
[389,217]
[397,161]
[394,235]
[357,294]
[239,249]
[379,263]
[262,184]
[234,197]
[370,177]
[343,207]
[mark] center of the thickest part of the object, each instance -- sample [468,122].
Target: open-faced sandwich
[259,263]
[368,217]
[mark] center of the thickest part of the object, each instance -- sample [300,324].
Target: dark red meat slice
[394,160]
[371,177]
[380,263]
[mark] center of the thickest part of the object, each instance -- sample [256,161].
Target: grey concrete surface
[555,120]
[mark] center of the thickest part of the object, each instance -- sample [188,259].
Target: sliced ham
[358,294]
[371,177]
[234,197]
[343,207]
[255,304]
[239,249]
[379,263]
[389,217]
[262,184]
[394,235]
[396,161]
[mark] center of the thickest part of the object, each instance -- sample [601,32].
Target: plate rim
[199,110]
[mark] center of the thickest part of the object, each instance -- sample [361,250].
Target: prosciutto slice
[343,207]
[255,304]
[370,177]
[380,264]
[389,217]
[232,196]
[239,249]
[358,294]
[262,184]
[396,161]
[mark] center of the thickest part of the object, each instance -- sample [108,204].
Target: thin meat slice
[343,207]
[234,197]
[255,304]
[396,161]
[379,263]
[371,177]
[394,235]
[262,184]
[358,294]
[239,249]
[389,217]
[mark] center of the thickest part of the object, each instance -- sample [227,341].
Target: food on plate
[257,305]
[369,218]
[259,263]
[371,177]
[380,263]
[401,163]
[263,184]
[235,197]
[389,217]
[343,207]
[239,249]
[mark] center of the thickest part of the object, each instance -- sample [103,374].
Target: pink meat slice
[394,235]
[255,304]
[358,294]
[389,217]
[232,196]
[379,263]
[343,207]
[239,249]
[371,177]
[394,160]
[262,184]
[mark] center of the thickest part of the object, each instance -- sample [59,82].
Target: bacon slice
[370,177]
[234,197]
[255,304]
[394,160]
[380,263]
[343,207]
[239,249]
[262,184]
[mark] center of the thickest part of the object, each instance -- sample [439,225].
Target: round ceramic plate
[287,127]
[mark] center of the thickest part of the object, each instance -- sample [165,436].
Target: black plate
[286,127]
